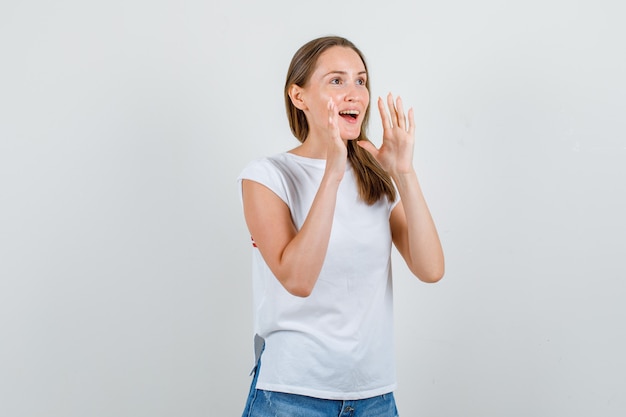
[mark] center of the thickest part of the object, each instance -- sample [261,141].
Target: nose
[353,95]
[356,93]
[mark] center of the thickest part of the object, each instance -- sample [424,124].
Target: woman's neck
[312,147]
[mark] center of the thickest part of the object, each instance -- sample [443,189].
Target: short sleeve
[266,173]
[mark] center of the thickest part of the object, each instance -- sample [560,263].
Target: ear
[296,94]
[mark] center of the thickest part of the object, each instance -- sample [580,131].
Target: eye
[360,81]
[335,81]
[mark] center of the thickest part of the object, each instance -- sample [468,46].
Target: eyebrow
[344,73]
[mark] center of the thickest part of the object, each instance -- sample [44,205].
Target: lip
[350,109]
[349,119]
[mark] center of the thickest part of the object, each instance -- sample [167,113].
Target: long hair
[372,180]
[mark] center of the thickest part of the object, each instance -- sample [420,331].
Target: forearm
[423,252]
[302,259]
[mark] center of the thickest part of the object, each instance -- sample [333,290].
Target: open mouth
[349,114]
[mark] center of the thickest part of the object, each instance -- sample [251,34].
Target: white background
[124,259]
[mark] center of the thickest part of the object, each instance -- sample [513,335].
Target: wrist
[400,176]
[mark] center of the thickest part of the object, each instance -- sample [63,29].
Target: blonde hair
[372,180]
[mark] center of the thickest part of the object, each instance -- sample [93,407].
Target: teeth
[355,112]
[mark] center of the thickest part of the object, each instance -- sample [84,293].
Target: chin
[350,136]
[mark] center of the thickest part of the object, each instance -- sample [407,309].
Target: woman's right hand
[337,152]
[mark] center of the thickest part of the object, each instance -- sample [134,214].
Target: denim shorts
[263,403]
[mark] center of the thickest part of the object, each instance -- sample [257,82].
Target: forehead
[339,58]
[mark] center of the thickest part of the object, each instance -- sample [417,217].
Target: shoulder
[286,165]
[269,171]
[267,166]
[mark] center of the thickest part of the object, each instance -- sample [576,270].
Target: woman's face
[339,75]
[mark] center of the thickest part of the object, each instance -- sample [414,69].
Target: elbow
[298,289]
[431,278]
[296,283]
[430,275]
[300,292]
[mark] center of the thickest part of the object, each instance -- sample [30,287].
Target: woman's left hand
[395,154]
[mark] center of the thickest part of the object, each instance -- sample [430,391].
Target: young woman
[323,217]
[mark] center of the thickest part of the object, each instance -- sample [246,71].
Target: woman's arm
[414,232]
[412,227]
[296,257]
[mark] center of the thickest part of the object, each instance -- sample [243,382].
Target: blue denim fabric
[263,403]
[279,404]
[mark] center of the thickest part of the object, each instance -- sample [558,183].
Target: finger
[400,114]
[383,114]
[392,110]
[411,122]
[332,116]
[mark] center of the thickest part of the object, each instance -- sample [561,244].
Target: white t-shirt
[338,342]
